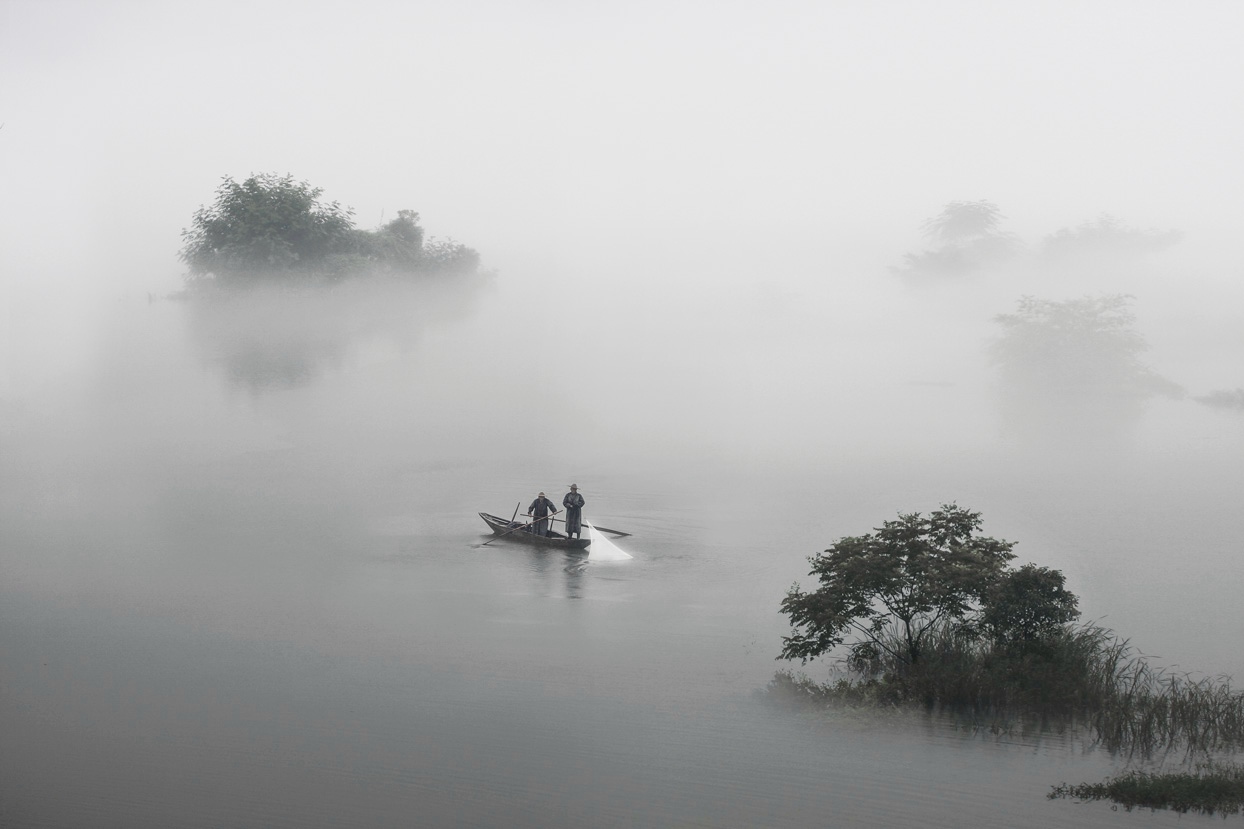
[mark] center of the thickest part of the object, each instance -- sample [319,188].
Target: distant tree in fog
[266,223]
[970,239]
[961,221]
[1106,236]
[449,256]
[271,226]
[1076,363]
[1088,344]
[1224,399]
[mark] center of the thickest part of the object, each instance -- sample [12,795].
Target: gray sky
[518,125]
[625,145]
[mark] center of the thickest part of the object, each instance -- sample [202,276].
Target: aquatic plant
[1082,677]
[1210,788]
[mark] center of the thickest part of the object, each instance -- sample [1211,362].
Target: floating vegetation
[1210,788]
[1083,678]
[1224,399]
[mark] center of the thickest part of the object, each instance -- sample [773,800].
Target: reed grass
[1210,788]
[1083,677]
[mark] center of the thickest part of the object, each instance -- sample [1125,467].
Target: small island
[272,229]
[282,287]
[929,614]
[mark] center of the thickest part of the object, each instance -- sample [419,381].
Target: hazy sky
[523,126]
[646,145]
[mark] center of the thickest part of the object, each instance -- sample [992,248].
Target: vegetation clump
[969,240]
[929,613]
[1210,788]
[913,578]
[1071,369]
[1086,347]
[273,228]
[1230,399]
[1106,235]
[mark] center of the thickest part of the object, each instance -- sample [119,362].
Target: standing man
[540,509]
[573,502]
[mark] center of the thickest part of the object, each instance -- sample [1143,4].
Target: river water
[244,581]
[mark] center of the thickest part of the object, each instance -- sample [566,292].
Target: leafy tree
[267,224]
[908,577]
[1107,235]
[1072,371]
[271,225]
[448,256]
[1085,347]
[969,236]
[398,243]
[960,221]
[1026,605]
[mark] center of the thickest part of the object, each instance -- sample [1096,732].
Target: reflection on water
[223,609]
[276,337]
[556,573]
[259,367]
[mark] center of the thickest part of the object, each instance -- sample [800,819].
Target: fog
[708,296]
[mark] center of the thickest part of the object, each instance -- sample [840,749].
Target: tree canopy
[894,587]
[1079,347]
[1027,604]
[1107,236]
[969,240]
[960,221]
[271,226]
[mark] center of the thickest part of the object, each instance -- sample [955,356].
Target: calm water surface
[243,584]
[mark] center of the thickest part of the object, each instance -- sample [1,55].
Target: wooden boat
[510,530]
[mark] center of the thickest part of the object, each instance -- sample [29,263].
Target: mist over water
[241,572]
[248,535]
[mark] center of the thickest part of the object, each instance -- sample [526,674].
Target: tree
[1027,605]
[1107,236]
[1071,371]
[448,256]
[268,224]
[1079,349]
[273,226]
[969,237]
[907,577]
[398,243]
[961,221]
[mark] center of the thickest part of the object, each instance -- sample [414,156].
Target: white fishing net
[602,549]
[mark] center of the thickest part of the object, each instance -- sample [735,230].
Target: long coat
[573,502]
[541,508]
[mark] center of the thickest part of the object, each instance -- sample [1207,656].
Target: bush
[273,227]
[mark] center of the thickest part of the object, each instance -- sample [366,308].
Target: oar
[599,527]
[515,529]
